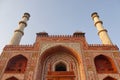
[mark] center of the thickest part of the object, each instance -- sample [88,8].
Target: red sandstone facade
[60,57]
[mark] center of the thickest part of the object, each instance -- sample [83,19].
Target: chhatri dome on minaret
[60,57]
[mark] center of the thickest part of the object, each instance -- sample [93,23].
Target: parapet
[75,34]
[102,47]
[18,47]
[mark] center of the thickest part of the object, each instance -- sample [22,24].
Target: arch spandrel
[46,46]
[57,48]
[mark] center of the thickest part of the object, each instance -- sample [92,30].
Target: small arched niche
[104,64]
[60,67]
[16,64]
[109,78]
[12,78]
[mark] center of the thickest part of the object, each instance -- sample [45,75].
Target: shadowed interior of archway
[60,67]
[109,78]
[17,64]
[104,64]
[12,78]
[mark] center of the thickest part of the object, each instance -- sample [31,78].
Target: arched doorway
[104,64]
[109,78]
[16,64]
[12,78]
[62,62]
[60,67]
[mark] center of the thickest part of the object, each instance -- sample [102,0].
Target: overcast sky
[59,17]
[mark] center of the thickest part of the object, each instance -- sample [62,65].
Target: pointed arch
[60,66]
[104,64]
[12,78]
[57,48]
[109,78]
[54,50]
[17,64]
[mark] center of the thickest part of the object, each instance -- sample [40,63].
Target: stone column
[19,32]
[101,31]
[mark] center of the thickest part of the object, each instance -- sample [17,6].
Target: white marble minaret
[101,31]
[19,32]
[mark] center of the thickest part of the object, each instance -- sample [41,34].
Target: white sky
[59,17]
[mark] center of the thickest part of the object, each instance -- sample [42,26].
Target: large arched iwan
[58,48]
